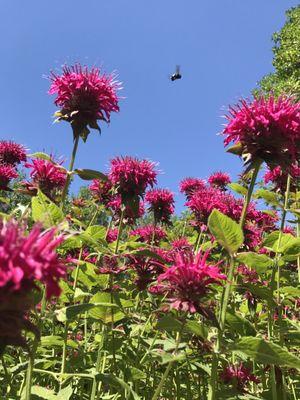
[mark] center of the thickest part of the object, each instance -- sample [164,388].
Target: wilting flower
[189,186]
[11,153]
[112,235]
[101,190]
[188,281]
[161,202]
[46,175]
[7,173]
[266,129]
[238,375]
[219,180]
[278,177]
[84,96]
[149,233]
[25,260]
[131,177]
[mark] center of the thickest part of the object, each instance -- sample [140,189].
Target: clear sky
[223,47]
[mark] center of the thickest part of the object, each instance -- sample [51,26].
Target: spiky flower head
[101,190]
[149,233]
[265,129]
[11,153]
[188,281]
[7,173]
[238,375]
[189,186]
[84,97]
[219,180]
[131,177]
[278,177]
[46,175]
[161,203]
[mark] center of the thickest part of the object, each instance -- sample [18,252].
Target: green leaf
[65,393]
[43,393]
[259,262]
[236,187]
[49,341]
[69,313]
[168,323]
[240,325]
[196,328]
[261,351]
[267,195]
[110,379]
[41,155]
[44,211]
[96,232]
[272,241]
[89,174]
[106,312]
[292,248]
[262,292]
[226,231]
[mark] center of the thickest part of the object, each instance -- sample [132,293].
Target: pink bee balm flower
[150,234]
[11,153]
[101,190]
[27,259]
[129,215]
[161,203]
[7,173]
[266,129]
[188,281]
[84,97]
[219,180]
[131,176]
[47,175]
[112,235]
[278,177]
[238,375]
[189,186]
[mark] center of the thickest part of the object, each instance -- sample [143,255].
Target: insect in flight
[176,75]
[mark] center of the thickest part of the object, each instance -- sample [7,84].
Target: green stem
[64,354]
[28,383]
[168,369]
[249,192]
[68,180]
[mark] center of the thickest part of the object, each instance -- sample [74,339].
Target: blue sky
[223,47]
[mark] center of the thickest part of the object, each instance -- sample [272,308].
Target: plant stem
[249,192]
[28,383]
[68,180]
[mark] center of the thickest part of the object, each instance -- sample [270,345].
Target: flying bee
[176,75]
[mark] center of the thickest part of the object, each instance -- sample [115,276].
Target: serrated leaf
[261,351]
[226,231]
[240,325]
[45,211]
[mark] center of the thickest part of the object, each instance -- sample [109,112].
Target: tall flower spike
[84,97]
[265,129]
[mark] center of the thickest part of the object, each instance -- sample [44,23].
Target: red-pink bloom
[149,233]
[189,186]
[219,180]
[188,281]
[248,275]
[131,176]
[101,190]
[129,214]
[47,175]
[278,177]
[238,375]
[11,153]
[112,235]
[27,259]
[7,173]
[266,129]
[84,97]
[161,202]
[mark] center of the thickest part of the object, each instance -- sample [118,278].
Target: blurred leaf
[90,174]
[71,312]
[46,212]
[236,187]
[240,325]
[41,155]
[272,241]
[259,262]
[267,195]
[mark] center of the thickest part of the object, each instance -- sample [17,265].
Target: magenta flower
[131,177]
[161,202]
[7,173]
[130,215]
[11,153]
[112,235]
[47,176]
[102,191]
[188,281]
[238,375]
[189,186]
[278,177]
[219,180]
[149,234]
[84,97]
[266,129]
[27,259]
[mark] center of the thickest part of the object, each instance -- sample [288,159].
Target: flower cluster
[84,96]
[149,234]
[219,180]
[11,154]
[189,186]
[238,375]
[102,191]
[266,129]
[161,203]
[278,177]
[188,281]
